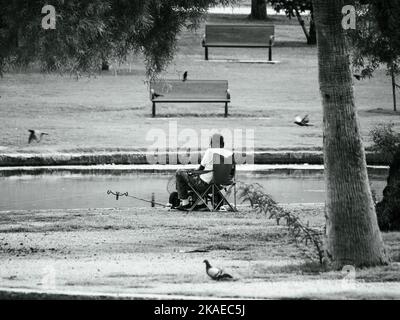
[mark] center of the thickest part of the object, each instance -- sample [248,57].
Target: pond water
[71,188]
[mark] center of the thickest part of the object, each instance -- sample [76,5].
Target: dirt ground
[111,112]
[156,253]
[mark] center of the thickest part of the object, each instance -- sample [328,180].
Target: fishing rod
[126,194]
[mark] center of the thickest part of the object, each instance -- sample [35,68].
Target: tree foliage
[89,32]
[376,39]
[290,6]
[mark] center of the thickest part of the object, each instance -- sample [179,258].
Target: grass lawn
[157,252]
[111,112]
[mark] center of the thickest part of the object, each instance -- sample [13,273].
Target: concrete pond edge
[142,158]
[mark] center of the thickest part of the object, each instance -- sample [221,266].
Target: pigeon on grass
[302,122]
[216,273]
[35,135]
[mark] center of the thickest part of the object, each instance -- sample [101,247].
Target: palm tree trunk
[352,236]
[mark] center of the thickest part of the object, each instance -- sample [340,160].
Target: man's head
[217,141]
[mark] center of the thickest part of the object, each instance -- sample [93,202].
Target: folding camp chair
[223,181]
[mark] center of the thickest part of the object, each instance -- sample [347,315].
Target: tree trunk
[258,9]
[302,23]
[394,90]
[105,66]
[312,39]
[310,34]
[352,232]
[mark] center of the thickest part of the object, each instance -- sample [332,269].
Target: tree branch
[302,23]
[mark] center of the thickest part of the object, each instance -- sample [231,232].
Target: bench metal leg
[226,109]
[206,53]
[234,196]
[213,198]
[153,113]
[270,52]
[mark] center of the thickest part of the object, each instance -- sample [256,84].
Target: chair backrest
[239,34]
[223,169]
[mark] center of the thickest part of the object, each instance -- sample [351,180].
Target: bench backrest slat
[191,89]
[241,34]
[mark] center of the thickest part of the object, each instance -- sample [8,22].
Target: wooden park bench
[189,91]
[239,36]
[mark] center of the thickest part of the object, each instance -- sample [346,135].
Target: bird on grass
[302,122]
[36,136]
[216,273]
[185,76]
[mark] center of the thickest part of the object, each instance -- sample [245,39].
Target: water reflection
[69,189]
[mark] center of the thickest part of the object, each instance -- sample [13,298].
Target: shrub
[388,210]
[308,239]
[387,142]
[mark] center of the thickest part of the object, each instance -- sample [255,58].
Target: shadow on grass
[384,112]
[390,273]
[292,44]
[308,268]
[207,115]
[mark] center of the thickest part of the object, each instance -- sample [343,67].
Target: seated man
[200,182]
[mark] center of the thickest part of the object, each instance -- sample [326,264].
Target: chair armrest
[199,172]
